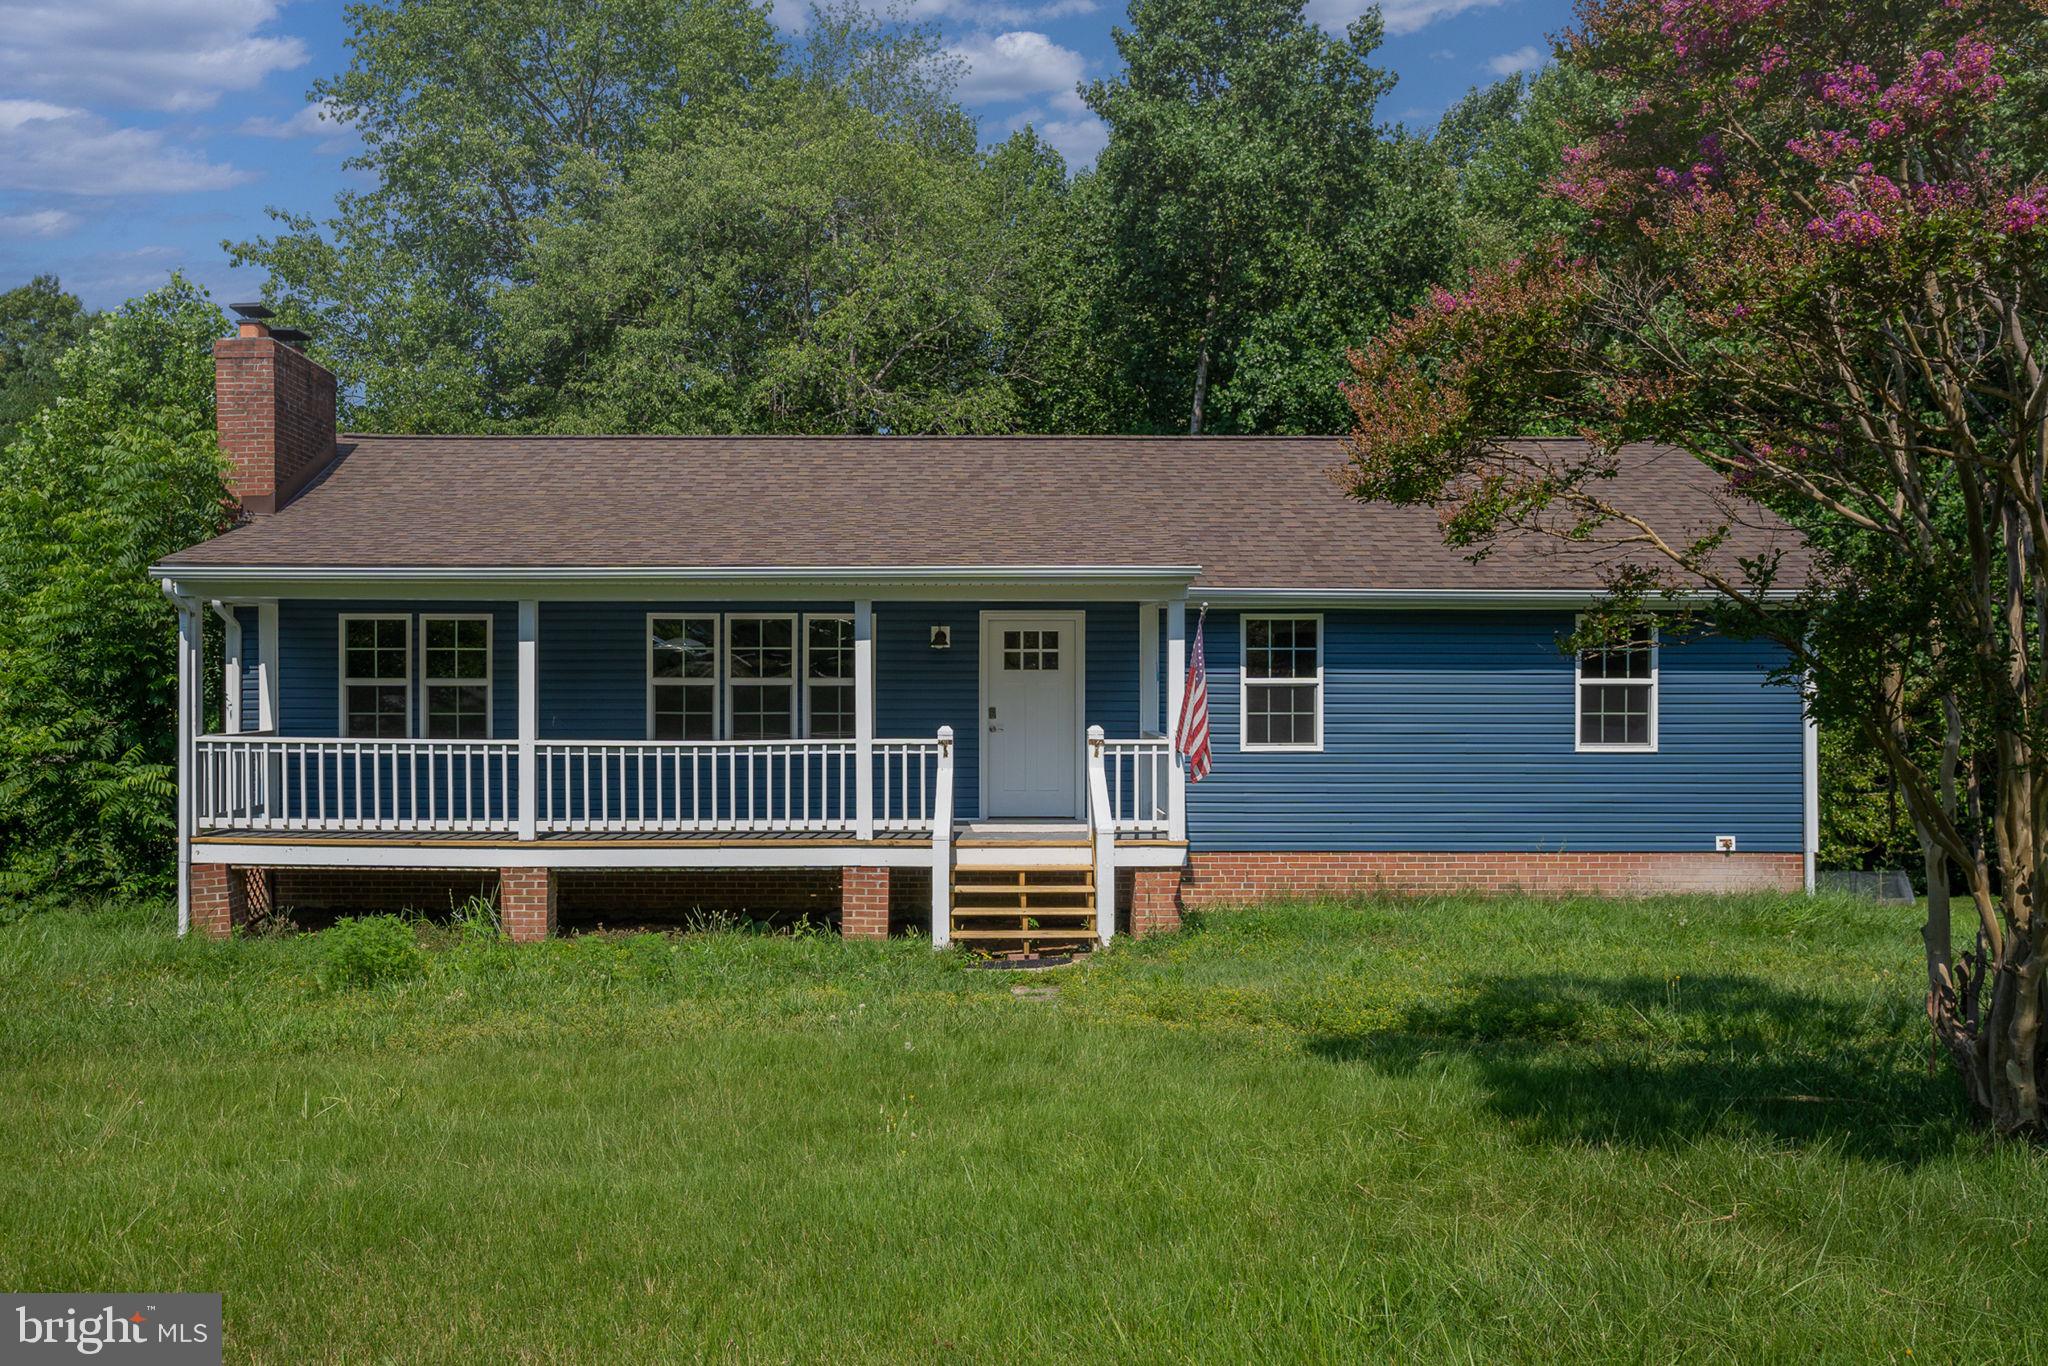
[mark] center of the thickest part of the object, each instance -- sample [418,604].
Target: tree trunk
[1202,367]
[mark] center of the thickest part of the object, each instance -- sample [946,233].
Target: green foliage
[38,323]
[1506,143]
[368,951]
[1864,823]
[796,266]
[476,124]
[1248,220]
[120,470]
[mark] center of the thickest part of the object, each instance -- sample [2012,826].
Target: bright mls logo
[171,1330]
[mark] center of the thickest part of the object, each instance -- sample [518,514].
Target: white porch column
[529,716]
[1148,668]
[1809,833]
[266,666]
[1176,688]
[942,844]
[864,716]
[191,701]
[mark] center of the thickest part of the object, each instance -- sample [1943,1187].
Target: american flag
[1191,739]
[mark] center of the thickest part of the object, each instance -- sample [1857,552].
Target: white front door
[1031,714]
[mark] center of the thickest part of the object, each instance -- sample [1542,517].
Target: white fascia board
[1442,598]
[663,584]
[543,854]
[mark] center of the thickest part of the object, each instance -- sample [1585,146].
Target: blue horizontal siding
[1444,731]
[252,657]
[309,660]
[1454,731]
[918,689]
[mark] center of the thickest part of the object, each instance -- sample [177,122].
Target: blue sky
[136,135]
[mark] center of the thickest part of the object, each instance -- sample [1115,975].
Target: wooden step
[1026,906]
[1074,936]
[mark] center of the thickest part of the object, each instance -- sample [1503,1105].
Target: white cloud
[147,54]
[1077,135]
[316,120]
[1015,66]
[51,148]
[1524,58]
[39,223]
[1401,16]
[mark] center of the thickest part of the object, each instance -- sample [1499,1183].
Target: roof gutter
[1465,599]
[259,580]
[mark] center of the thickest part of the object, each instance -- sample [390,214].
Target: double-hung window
[1281,697]
[761,682]
[376,677]
[682,677]
[455,677]
[828,678]
[1617,692]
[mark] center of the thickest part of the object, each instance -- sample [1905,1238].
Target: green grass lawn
[1461,1130]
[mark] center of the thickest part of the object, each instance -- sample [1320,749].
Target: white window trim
[490,670]
[347,680]
[1654,681]
[1245,683]
[714,683]
[803,665]
[796,664]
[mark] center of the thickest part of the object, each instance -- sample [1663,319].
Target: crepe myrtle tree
[1810,253]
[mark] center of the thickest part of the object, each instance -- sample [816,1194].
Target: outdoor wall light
[942,637]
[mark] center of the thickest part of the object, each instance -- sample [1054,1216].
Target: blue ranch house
[923,681]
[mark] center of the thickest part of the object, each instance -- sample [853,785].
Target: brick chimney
[274,410]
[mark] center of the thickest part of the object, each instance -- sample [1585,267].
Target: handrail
[631,786]
[1102,825]
[1139,774]
[271,782]
[942,843]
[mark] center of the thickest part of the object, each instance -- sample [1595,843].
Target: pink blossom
[1825,147]
[2024,213]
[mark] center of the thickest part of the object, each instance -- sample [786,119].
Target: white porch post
[266,666]
[529,716]
[1809,834]
[1102,824]
[1148,669]
[1176,688]
[191,701]
[864,717]
[942,844]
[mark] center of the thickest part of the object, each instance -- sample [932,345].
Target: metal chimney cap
[251,310]
[290,335]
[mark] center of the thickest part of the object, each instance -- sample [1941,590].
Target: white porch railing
[1139,774]
[704,787]
[269,782]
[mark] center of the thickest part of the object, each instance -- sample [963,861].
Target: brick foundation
[1219,879]
[526,903]
[864,903]
[220,899]
[1154,901]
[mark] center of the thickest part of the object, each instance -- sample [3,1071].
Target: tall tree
[39,322]
[477,121]
[122,470]
[1506,142]
[800,266]
[1819,263]
[1246,218]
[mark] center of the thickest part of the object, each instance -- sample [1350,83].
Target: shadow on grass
[1651,1062]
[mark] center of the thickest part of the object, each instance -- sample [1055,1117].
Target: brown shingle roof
[1254,512]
